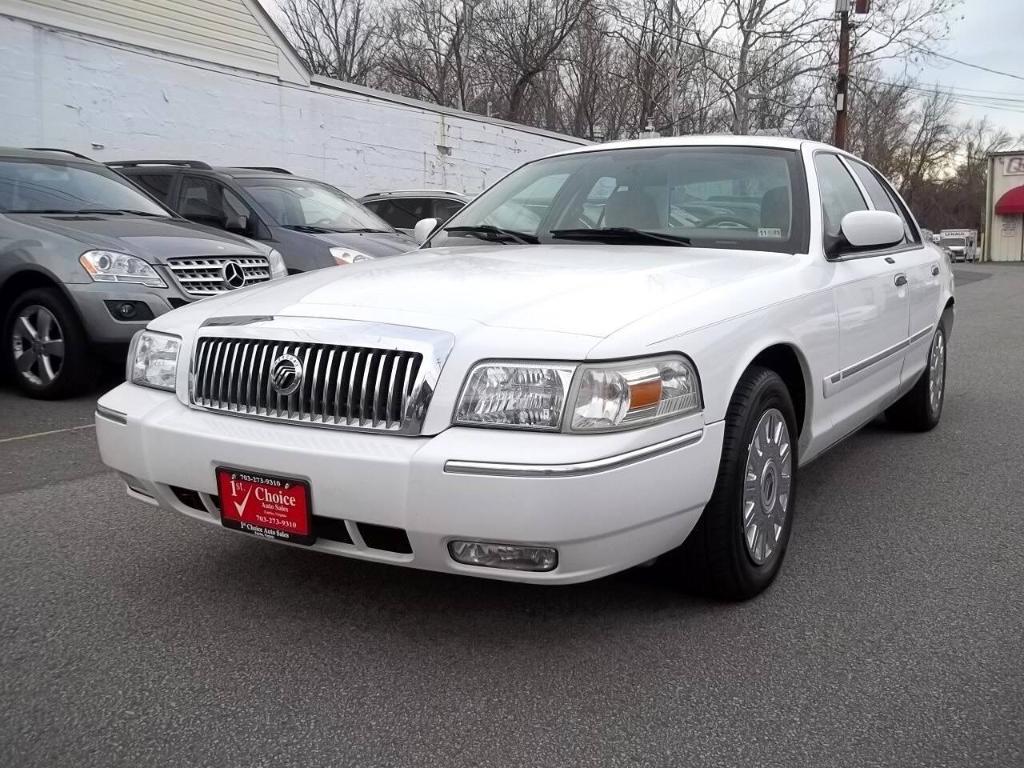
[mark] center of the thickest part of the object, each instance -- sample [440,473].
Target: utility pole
[842,78]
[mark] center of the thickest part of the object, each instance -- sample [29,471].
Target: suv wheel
[45,346]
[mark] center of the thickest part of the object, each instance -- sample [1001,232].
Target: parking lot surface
[893,636]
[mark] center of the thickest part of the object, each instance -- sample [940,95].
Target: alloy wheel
[766,486]
[937,372]
[38,342]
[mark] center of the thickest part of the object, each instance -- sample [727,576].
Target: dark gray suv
[311,223]
[87,259]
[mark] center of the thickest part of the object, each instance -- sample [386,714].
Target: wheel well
[23,281]
[783,359]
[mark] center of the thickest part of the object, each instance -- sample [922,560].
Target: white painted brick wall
[59,89]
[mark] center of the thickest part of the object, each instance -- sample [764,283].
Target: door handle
[935,270]
[900,280]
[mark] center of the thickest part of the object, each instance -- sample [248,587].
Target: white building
[215,80]
[1004,207]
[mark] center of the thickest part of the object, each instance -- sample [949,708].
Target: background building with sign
[1004,207]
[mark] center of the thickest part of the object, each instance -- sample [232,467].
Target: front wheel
[737,547]
[46,346]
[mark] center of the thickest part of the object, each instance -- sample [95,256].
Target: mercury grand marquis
[616,353]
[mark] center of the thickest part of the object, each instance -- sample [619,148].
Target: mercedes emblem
[285,374]
[233,275]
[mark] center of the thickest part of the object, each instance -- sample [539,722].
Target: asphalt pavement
[892,637]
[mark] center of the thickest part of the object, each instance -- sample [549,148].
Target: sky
[987,33]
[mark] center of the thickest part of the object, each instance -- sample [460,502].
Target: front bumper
[101,326]
[604,502]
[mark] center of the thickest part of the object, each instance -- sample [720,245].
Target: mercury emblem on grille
[233,275]
[285,374]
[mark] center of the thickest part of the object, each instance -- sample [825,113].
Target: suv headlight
[277,265]
[598,397]
[153,360]
[114,267]
[343,256]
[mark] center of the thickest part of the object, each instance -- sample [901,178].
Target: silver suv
[87,259]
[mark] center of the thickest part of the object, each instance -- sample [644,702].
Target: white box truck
[961,244]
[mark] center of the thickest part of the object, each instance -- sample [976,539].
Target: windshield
[28,186]
[715,197]
[301,204]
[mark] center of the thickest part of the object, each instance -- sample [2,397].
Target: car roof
[235,172]
[709,140]
[61,155]
[417,193]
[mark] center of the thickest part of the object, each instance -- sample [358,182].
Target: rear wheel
[738,545]
[921,408]
[45,346]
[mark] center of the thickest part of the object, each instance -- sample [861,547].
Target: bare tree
[336,38]
[524,39]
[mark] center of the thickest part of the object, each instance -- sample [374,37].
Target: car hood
[376,244]
[575,289]
[153,239]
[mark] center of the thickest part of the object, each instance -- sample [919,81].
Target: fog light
[508,556]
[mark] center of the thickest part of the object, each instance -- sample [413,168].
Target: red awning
[1011,202]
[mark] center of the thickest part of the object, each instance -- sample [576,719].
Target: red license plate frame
[269,506]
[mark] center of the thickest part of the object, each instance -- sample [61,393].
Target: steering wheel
[722,222]
[322,222]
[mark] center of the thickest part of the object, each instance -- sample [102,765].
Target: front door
[872,306]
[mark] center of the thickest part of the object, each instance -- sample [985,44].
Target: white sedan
[615,353]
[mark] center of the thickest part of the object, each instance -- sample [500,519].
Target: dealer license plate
[265,505]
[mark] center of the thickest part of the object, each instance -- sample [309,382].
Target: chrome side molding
[840,380]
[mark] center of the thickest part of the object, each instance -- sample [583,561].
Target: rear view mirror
[870,229]
[423,229]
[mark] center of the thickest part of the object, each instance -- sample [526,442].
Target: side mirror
[423,229]
[236,223]
[871,229]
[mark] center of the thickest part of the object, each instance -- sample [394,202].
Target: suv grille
[210,275]
[340,386]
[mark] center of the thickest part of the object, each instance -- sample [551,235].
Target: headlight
[277,266]
[344,256]
[599,398]
[634,393]
[518,395]
[153,360]
[114,267]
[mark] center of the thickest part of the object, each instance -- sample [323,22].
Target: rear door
[872,304]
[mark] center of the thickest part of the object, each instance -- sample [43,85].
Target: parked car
[402,208]
[311,223]
[86,260]
[556,404]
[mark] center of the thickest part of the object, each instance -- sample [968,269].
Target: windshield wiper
[621,235]
[75,212]
[491,233]
[309,228]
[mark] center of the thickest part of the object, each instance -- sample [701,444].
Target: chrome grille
[204,275]
[340,386]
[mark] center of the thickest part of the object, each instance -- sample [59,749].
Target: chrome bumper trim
[111,415]
[498,469]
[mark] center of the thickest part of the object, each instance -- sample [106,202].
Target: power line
[961,62]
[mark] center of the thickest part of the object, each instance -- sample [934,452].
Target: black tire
[715,558]
[76,372]
[917,411]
